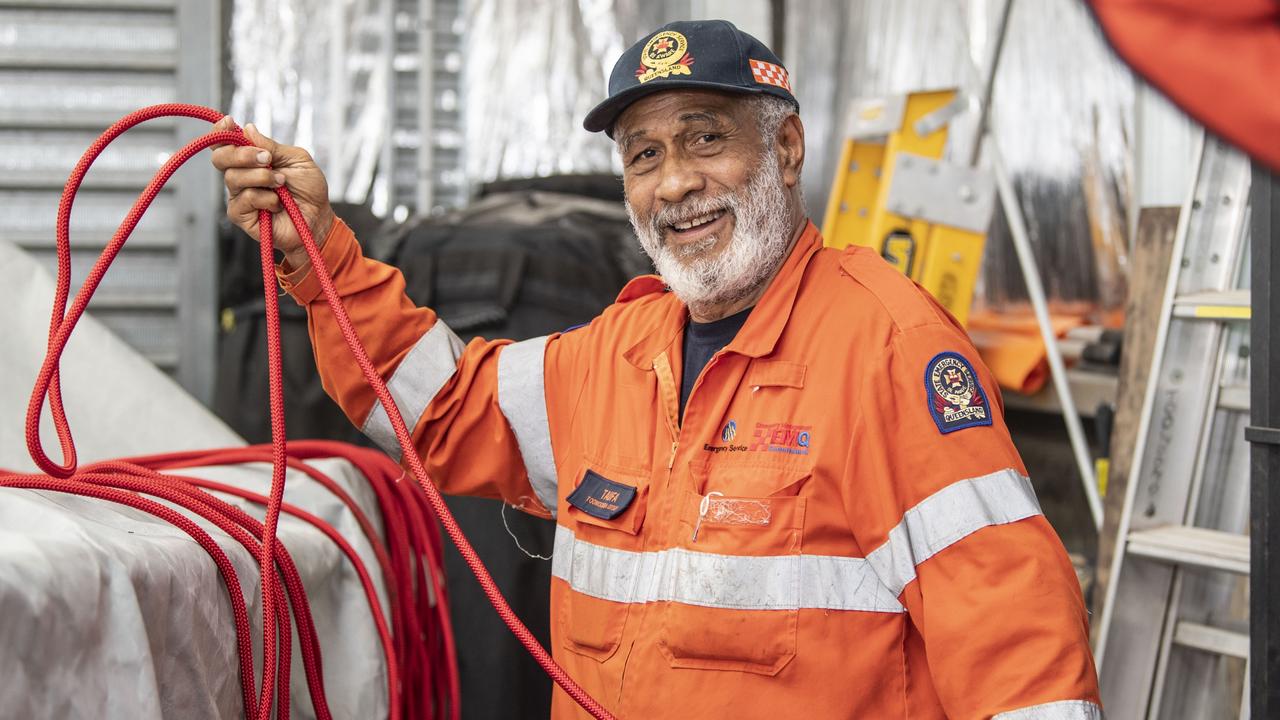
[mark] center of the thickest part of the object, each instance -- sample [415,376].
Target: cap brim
[603,116]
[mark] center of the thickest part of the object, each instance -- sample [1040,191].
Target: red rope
[419,642]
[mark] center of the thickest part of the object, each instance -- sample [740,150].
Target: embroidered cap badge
[666,54]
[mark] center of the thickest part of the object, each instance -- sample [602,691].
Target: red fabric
[1217,60]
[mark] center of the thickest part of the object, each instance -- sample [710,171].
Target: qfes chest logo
[730,431]
[782,438]
[955,397]
[767,437]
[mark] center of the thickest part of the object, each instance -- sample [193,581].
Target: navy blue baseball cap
[699,54]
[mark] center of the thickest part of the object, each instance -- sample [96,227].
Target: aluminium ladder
[1173,641]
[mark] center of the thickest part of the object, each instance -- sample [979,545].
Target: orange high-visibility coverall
[840,527]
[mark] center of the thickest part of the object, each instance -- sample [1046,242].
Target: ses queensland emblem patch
[955,397]
[666,54]
[598,496]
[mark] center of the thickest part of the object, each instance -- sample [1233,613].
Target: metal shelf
[1089,389]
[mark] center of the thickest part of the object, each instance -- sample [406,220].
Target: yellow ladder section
[893,193]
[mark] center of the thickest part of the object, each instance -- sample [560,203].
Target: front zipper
[671,399]
[669,395]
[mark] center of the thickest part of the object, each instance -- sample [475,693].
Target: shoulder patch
[640,286]
[953,393]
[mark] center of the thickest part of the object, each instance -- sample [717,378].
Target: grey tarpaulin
[109,612]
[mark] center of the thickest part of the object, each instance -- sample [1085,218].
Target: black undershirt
[701,341]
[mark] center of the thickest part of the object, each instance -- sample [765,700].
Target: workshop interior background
[450,133]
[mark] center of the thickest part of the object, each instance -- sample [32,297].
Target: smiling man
[781,478]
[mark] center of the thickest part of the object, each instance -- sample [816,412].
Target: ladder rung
[1211,639]
[1234,397]
[1226,305]
[1194,546]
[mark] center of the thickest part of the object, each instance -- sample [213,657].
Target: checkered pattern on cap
[767,73]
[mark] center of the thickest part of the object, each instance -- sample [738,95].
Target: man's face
[706,193]
[681,150]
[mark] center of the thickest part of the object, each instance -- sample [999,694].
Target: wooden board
[1147,277]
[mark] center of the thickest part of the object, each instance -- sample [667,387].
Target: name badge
[601,497]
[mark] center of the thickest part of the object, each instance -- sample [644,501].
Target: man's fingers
[281,155]
[239,179]
[232,156]
[250,201]
[226,123]
[257,138]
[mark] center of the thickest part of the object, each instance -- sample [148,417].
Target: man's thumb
[279,153]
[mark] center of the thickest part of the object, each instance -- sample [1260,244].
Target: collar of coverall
[759,335]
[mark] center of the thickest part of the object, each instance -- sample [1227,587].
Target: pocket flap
[776,373]
[748,479]
[616,503]
[600,497]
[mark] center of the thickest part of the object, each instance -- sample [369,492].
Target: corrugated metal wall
[69,69]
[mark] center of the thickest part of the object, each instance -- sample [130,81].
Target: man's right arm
[477,413]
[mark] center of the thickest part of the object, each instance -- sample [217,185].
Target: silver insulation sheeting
[314,73]
[533,71]
[369,86]
[287,84]
[1062,113]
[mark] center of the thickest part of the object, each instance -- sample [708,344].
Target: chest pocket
[606,511]
[734,583]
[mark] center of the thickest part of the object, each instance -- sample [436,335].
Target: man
[781,478]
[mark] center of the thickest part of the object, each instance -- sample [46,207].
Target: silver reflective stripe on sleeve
[772,582]
[419,376]
[523,400]
[950,515]
[1061,710]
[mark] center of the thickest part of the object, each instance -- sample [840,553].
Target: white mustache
[689,209]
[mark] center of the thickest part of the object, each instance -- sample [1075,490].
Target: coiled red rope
[418,642]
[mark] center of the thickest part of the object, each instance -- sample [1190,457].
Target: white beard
[761,236]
